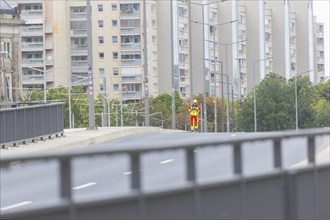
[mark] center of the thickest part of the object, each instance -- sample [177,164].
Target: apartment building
[319,41]
[10,23]
[54,46]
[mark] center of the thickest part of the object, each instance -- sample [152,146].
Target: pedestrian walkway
[79,138]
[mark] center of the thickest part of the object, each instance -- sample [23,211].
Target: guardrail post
[277,150]
[135,168]
[237,158]
[190,163]
[65,178]
[311,149]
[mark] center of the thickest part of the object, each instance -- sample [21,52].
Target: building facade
[191,49]
[10,77]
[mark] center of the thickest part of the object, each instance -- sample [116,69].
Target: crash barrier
[29,123]
[281,194]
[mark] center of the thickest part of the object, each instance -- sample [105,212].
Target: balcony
[31,31]
[33,79]
[48,30]
[32,62]
[49,46]
[31,13]
[78,33]
[49,62]
[129,13]
[79,50]
[34,46]
[131,79]
[78,17]
[130,62]
[131,95]
[79,67]
[130,30]
[130,46]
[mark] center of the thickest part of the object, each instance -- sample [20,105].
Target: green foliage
[276,105]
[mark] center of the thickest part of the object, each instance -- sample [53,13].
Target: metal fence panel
[222,202]
[29,122]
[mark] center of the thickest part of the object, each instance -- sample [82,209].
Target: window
[293,66]
[100,8]
[292,25]
[116,87]
[6,47]
[101,40]
[100,23]
[153,23]
[102,87]
[153,8]
[114,23]
[114,7]
[101,56]
[182,11]
[114,39]
[101,71]
[115,71]
[153,39]
[115,55]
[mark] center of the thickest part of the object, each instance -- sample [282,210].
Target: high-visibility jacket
[194,110]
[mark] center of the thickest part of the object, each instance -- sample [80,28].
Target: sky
[321,11]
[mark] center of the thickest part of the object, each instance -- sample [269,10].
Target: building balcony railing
[132,79]
[33,79]
[320,60]
[49,62]
[130,46]
[130,62]
[127,13]
[82,16]
[32,46]
[130,30]
[48,29]
[31,13]
[39,62]
[30,30]
[79,67]
[79,50]
[78,33]
[49,46]
[131,95]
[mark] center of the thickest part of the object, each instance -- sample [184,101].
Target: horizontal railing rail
[135,153]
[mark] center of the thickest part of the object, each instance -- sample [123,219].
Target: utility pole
[91,112]
[172,68]
[145,54]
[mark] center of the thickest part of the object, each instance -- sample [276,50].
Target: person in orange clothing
[194,110]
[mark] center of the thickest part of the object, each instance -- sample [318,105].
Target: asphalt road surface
[34,183]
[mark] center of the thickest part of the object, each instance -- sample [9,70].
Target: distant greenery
[275,101]
[276,109]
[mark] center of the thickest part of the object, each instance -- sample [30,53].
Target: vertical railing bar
[237,158]
[135,169]
[277,150]
[311,149]
[191,166]
[65,179]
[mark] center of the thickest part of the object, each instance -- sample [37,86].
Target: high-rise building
[212,41]
[10,74]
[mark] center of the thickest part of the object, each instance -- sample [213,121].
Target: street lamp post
[254,93]
[226,45]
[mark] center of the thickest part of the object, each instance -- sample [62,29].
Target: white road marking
[233,135]
[84,186]
[15,205]
[128,173]
[195,151]
[167,161]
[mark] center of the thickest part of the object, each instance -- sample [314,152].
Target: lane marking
[233,135]
[128,173]
[16,205]
[167,161]
[84,186]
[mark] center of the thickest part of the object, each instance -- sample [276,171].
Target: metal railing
[26,123]
[276,195]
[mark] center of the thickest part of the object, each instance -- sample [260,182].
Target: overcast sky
[321,11]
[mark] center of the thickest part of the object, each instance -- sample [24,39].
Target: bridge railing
[24,123]
[280,194]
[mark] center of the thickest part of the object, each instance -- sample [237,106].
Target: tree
[322,104]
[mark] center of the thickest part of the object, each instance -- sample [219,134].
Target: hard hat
[195,101]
